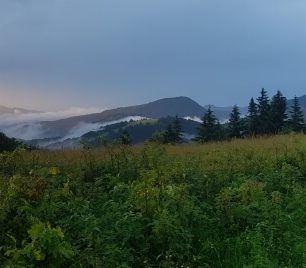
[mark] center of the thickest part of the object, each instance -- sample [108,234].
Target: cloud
[18,117]
[194,118]
[83,128]
[27,125]
[23,131]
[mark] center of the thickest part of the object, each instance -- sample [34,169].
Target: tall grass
[228,204]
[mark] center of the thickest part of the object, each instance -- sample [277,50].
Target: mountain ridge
[181,106]
[68,127]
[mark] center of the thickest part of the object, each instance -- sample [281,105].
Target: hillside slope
[181,106]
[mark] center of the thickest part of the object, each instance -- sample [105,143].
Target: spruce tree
[158,136]
[177,130]
[278,115]
[210,129]
[235,123]
[264,122]
[173,133]
[252,118]
[296,121]
[169,134]
[125,138]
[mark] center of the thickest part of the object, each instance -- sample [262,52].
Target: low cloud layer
[83,128]
[27,125]
[9,119]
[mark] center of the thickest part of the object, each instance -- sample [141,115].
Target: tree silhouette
[278,115]
[210,129]
[252,118]
[235,124]
[264,122]
[125,138]
[177,129]
[8,144]
[173,133]
[296,121]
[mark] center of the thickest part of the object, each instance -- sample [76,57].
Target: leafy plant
[46,249]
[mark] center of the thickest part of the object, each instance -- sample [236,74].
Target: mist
[83,128]
[27,126]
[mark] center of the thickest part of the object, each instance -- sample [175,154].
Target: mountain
[139,131]
[181,106]
[66,131]
[142,130]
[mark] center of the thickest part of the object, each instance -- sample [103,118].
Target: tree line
[8,144]
[265,117]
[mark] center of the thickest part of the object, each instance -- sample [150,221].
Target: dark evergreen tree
[169,134]
[8,144]
[173,133]
[210,129]
[252,118]
[278,115]
[235,127]
[125,138]
[296,121]
[177,129]
[158,136]
[264,120]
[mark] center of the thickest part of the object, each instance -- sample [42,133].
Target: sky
[56,54]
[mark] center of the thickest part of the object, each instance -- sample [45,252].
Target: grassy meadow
[228,204]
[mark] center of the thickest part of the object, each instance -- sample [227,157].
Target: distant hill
[139,131]
[181,106]
[75,127]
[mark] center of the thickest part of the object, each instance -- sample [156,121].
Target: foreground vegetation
[229,204]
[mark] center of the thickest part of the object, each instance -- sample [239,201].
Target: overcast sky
[56,54]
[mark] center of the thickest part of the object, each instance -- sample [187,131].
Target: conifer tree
[169,134]
[235,123]
[252,118]
[158,136]
[278,115]
[173,133]
[264,122]
[210,129]
[296,121]
[125,138]
[177,129]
